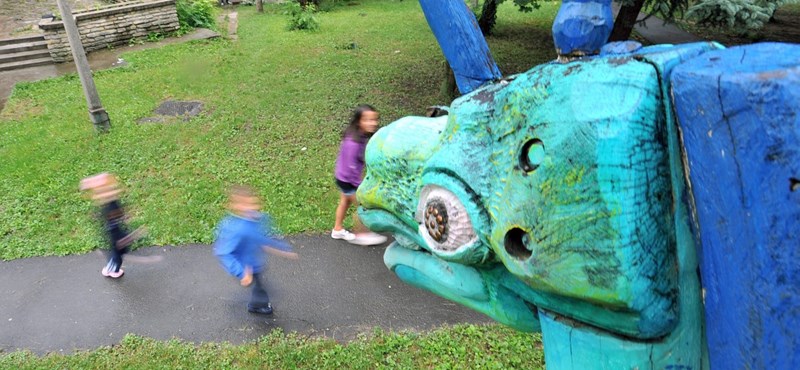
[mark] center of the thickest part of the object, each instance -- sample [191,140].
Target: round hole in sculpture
[532,155]
[515,244]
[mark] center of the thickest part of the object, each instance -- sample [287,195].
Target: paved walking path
[335,289]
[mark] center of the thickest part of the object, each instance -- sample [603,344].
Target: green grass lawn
[267,96]
[459,347]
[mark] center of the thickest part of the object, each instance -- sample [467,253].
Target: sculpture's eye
[532,155]
[444,222]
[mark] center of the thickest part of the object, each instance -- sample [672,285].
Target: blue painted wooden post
[462,42]
[739,110]
[582,27]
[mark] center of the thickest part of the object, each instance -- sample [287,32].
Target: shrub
[195,13]
[301,19]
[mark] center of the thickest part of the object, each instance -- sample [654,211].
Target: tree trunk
[488,17]
[626,19]
[449,88]
[260,6]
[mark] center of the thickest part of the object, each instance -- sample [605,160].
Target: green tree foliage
[739,15]
[195,13]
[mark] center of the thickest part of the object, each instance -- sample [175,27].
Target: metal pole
[97,113]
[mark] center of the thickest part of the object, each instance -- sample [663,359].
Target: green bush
[195,13]
[743,17]
[301,19]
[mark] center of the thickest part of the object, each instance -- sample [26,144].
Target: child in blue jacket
[242,238]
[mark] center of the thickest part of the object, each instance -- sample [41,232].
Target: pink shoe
[369,238]
[112,274]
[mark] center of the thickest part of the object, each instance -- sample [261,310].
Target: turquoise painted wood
[479,289]
[553,201]
[739,110]
[571,345]
[582,347]
[557,200]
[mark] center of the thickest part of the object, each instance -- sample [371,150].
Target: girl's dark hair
[352,128]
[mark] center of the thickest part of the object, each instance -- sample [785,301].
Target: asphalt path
[335,289]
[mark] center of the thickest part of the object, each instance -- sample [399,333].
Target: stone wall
[111,26]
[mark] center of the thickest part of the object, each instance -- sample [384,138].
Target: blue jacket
[240,242]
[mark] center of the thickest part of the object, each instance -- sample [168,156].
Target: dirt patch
[174,109]
[24,109]
[21,17]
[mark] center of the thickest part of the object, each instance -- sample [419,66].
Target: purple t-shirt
[350,163]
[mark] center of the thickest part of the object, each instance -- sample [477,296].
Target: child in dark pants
[105,192]
[242,238]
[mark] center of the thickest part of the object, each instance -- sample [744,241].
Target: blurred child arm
[248,276]
[278,248]
[132,237]
[271,244]
[280,253]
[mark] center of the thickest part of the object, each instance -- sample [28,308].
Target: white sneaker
[342,234]
[369,238]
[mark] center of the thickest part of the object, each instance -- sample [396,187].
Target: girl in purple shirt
[349,171]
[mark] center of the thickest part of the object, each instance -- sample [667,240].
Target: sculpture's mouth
[441,223]
[482,288]
[479,289]
[383,221]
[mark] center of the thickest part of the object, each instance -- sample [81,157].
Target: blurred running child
[242,237]
[104,190]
